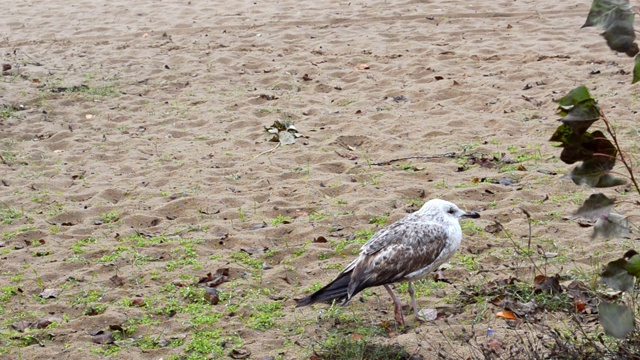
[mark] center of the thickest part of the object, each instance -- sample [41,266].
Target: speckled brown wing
[400,250]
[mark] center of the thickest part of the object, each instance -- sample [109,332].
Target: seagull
[407,250]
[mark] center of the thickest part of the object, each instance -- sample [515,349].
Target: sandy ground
[148,117]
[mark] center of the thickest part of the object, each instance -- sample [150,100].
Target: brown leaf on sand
[579,305]
[428,314]
[362,67]
[211,294]
[43,323]
[138,301]
[103,337]
[117,280]
[546,284]
[493,228]
[252,251]
[347,156]
[268,97]
[507,314]
[493,345]
[583,301]
[49,293]
[213,280]
[21,326]
[240,354]
[258,226]
[320,239]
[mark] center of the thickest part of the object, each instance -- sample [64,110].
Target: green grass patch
[281,219]
[264,316]
[79,247]
[357,347]
[8,215]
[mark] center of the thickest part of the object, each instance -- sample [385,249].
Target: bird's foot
[399,316]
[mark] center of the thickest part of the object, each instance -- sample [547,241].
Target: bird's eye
[452,211]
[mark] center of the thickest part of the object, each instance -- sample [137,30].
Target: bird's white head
[439,208]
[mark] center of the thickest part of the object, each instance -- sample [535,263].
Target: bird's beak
[470,214]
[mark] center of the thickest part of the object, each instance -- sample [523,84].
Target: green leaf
[615,17]
[578,147]
[617,320]
[617,277]
[595,207]
[603,13]
[608,180]
[633,263]
[575,153]
[636,70]
[581,115]
[573,97]
[593,170]
[565,135]
[612,226]
[598,143]
[621,38]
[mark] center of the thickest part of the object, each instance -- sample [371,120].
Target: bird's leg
[413,301]
[397,306]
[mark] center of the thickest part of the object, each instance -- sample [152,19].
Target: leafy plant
[598,156]
[617,319]
[616,17]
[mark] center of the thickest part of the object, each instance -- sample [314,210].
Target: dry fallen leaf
[45,322]
[139,302]
[507,314]
[117,280]
[21,326]
[103,337]
[428,314]
[211,295]
[320,239]
[546,284]
[49,293]
[240,354]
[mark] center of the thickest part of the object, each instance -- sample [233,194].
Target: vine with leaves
[597,156]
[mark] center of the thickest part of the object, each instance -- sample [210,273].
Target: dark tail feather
[336,290]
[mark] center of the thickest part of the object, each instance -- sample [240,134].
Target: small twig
[4,161]
[426,157]
[518,248]
[36,63]
[623,159]
[267,151]
[586,336]
[529,221]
